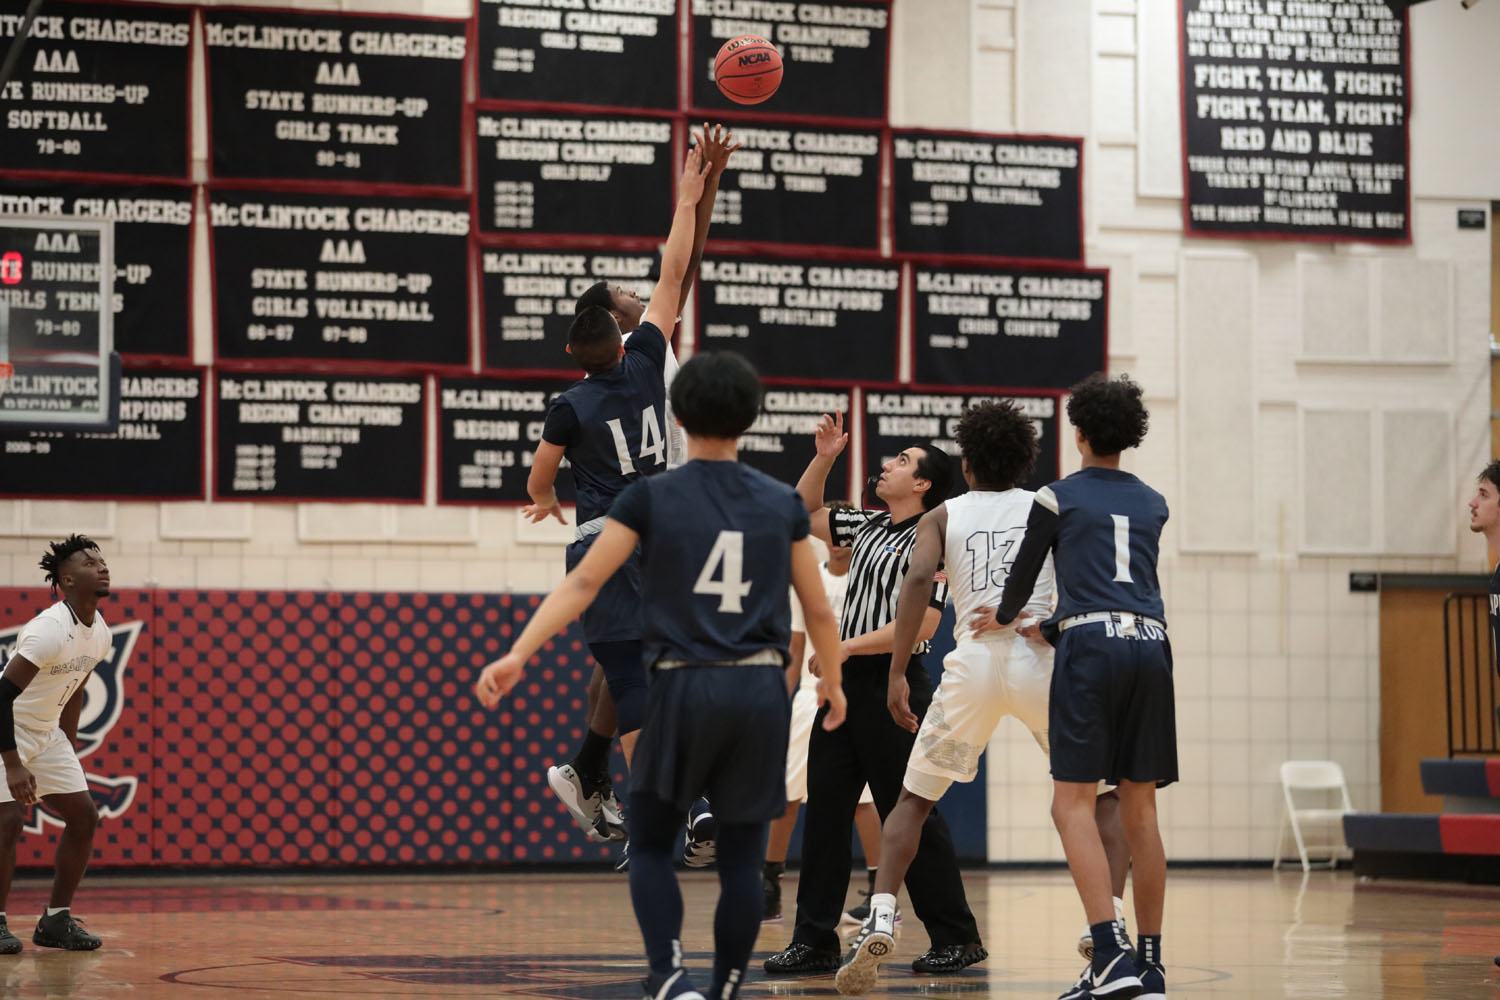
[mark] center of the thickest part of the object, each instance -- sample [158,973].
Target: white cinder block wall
[1315,409]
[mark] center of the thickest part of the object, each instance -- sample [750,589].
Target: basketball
[747,69]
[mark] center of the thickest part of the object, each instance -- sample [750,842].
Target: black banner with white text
[1295,120]
[341,277]
[333,97]
[1023,329]
[894,421]
[575,174]
[334,437]
[98,89]
[621,55]
[806,319]
[487,434]
[834,54]
[780,442]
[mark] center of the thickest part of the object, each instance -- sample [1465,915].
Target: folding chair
[1312,776]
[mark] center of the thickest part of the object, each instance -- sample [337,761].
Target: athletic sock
[1107,941]
[882,900]
[1150,949]
[53,911]
[592,761]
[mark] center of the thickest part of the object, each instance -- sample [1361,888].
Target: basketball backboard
[57,325]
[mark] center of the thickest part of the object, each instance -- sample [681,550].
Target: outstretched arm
[674,257]
[829,440]
[718,145]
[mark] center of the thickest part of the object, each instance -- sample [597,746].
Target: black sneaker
[9,943]
[770,884]
[951,958]
[63,930]
[701,848]
[611,823]
[800,959]
[673,987]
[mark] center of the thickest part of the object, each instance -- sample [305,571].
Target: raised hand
[830,437]
[718,145]
[690,186]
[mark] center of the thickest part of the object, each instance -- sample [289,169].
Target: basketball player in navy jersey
[720,542]
[41,698]
[583,783]
[1111,713]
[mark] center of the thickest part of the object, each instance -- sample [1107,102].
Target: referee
[870,747]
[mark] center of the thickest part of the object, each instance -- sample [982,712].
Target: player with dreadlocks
[41,696]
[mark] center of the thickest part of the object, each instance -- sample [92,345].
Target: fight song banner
[341,277]
[575,174]
[531,297]
[153,248]
[333,97]
[1295,120]
[99,89]
[835,55]
[1024,329]
[487,435]
[803,319]
[318,437]
[801,186]
[894,421]
[968,194]
[610,54]
[780,442]
[156,453]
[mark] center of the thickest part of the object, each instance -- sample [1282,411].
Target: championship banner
[318,437]
[99,89]
[575,174]
[1017,328]
[620,55]
[780,442]
[1294,121]
[967,194]
[155,454]
[487,435]
[531,294]
[153,250]
[836,55]
[335,97]
[894,421]
[803,319]
[341,277]
[800,186]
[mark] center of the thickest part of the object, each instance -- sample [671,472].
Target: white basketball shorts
[804,708]
[982,683]
[51,759]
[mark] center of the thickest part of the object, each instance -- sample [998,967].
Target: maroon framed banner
[835,56]
[1295,122]
[100,89]
[898,419]
[1021,328]
[809,320]
[335,97]
[488,430]
[972,194]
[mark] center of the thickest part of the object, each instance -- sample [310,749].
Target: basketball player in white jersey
[1004,672]
[41,696]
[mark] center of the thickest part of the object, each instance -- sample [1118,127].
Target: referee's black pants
[870,747]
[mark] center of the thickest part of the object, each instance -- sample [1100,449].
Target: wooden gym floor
[1231,934]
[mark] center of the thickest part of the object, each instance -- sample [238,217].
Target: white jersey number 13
[727,562]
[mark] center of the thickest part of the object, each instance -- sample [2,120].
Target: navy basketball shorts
[1112,713]
[719,731]
[615,615]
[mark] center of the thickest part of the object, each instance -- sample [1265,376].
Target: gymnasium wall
[1316,409]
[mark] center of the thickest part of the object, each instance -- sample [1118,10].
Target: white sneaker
[876,941]
[585,808]
[1086,939]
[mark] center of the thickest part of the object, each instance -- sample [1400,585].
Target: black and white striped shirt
[882,553]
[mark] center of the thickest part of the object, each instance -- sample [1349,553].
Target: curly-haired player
[41,696]
[1111,716]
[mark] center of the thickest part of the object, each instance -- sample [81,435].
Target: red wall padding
[320,729]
